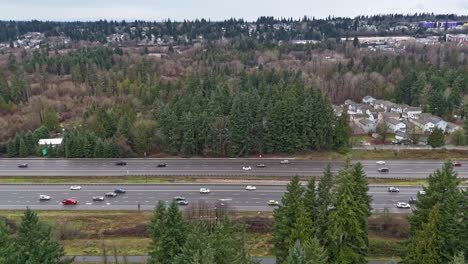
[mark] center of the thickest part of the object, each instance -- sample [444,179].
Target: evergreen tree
[443,190]
[156,232]
[174,234]
[51,121]
[6,243]
[437,138]
[342,133]
[23,148]
[310,200]
[34,243]
[324,201]
[198,248]
[314,252]
[285,218]
[346,229]
[458,259]
[425,245]
[296,254]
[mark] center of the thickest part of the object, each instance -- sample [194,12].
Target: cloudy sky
[215,9]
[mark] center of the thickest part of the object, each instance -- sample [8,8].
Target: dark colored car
[383,170]
[182,202]
[23,165]
[412,200]
[70,201]
[261,165]
[121,163]
[179,198]
[162,165]
[457,164]
[120,190]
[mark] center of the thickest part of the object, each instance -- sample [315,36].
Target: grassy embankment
[124,232]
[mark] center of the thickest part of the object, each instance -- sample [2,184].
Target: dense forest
[264,29]
[227,98]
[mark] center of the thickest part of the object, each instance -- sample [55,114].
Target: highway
[211,167]
[20,196]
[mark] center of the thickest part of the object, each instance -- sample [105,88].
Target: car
[75,187]
[44,197]
[162,165]
[422,192]
[182,202]
[111,194]
[412,200]
[204,190]
[98,198]
[261,165]
[393,189]
[121,163]
[250,187]
[179,198]
[284,161]
[272,203]
[396,142]
[70,201]
[23,165]
[381,162]
[457,164]
[119,190]
[383,170]
[403,205]
[247,168]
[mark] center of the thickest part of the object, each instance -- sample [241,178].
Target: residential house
[427,122]
[451,127]
[412,112]
[399,135]
[383,116]
[395,125]
[50,142]
[356,117]
[368,100]
[397,108]
[366,125]
[383,104]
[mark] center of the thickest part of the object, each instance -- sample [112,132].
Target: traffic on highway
[144,197]
[216,167]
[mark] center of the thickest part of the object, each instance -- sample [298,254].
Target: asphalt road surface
[211,167]
[236,196]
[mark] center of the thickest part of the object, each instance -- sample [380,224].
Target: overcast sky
[215,9]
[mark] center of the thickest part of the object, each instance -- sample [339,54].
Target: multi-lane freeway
[214,167]
[27,195]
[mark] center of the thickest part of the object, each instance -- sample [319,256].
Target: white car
[204,190]
[272,203]
[250,187]
[111,194]
[44,197]
[247,168]
[422,192]
[403,205]
[284,162]
[381,162]
[75,187]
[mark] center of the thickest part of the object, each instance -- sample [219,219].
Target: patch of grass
[259,244]
[426,154]
[397,182]
[94,247]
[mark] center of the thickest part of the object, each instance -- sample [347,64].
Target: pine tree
[442,189]
[6,243]
[23,148]
[458,258]
[34,243]
[198,248]
[426,244]
[324,201]
[314,252]
[346,230]
[296,254]
[51,121]
[437,138]
[156,232]
[342,133]
[174,234]
[285,218]
[310,200]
